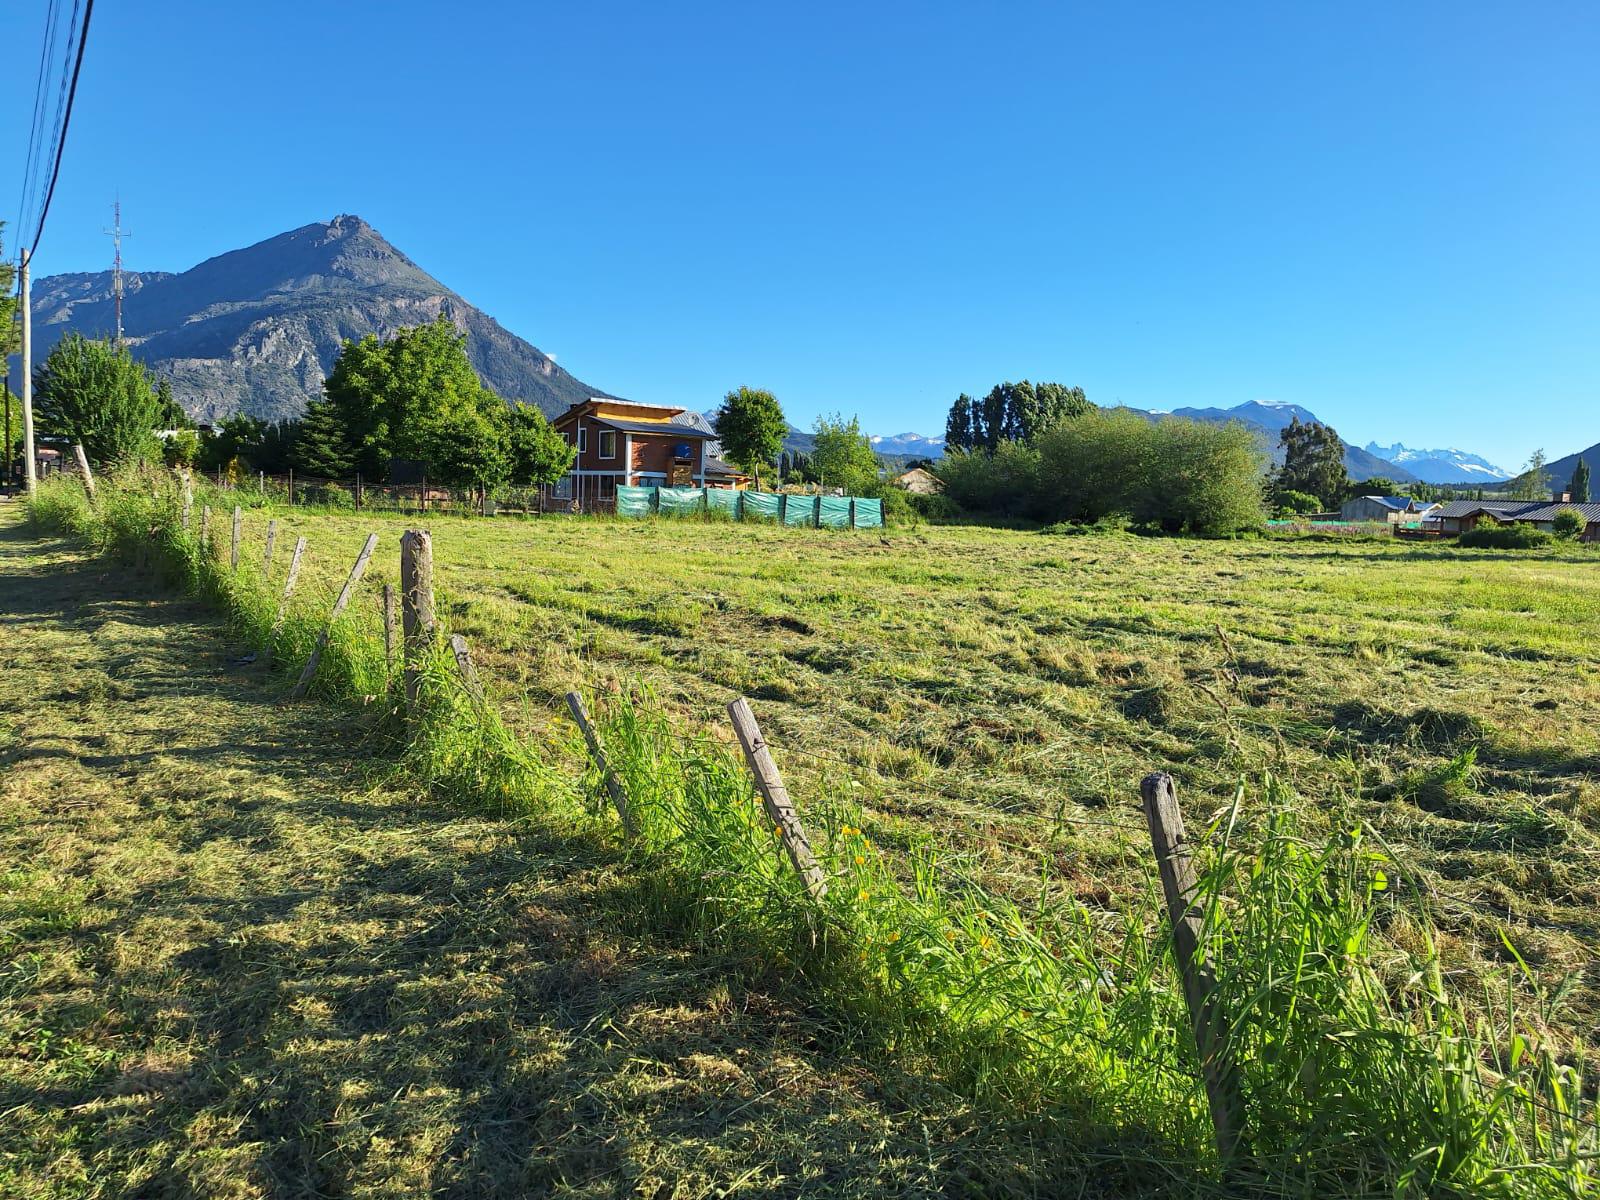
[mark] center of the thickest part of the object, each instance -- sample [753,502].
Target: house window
[563,488]
[583,440]
[608,443]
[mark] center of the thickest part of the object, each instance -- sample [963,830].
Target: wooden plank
[775,798]
[613,785]
[1175,860]
[238,517]
[356,572]
[83,465]
[272,534]
[416,606]
[462,653]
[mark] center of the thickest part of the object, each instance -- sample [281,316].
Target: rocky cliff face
[257,330]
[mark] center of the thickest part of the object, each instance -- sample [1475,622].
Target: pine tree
[321,445]
[1579,487]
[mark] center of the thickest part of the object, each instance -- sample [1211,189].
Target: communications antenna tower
[117,233]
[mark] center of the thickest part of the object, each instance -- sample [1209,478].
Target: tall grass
[1362,1072]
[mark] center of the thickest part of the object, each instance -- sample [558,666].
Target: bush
[1570,523]
[934,507]
[1005,483]
[1295,504]
[1505,537]
[330,495]
[181,449]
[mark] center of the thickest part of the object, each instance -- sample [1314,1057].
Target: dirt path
[231,966]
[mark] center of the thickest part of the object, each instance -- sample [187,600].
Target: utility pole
[30,465]
[117,233]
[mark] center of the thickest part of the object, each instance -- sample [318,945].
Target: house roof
[1515,510]
[1398,503]
[715,466]
[1547,512]
[670,428]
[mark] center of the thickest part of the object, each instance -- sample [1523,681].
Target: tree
[471,448]
[1011,412]
[1579,487]
[321,447]
[842,457]
[1378,485]
[93,392]
[234,445]
[751,426]
[1533,483]
[1313,461]
[958,425]
[538,453]
[172,414]
[1569,523]
[181,449]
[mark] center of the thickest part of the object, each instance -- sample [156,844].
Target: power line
[66,120]
[36,122]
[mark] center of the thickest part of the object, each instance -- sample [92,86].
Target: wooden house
[623,443]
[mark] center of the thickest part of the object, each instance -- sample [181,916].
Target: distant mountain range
[257,330]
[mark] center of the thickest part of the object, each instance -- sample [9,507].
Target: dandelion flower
[863,895]
[985,941]
[894,936]
[860,859]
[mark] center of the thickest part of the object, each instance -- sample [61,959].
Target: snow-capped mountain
[1441,466]
[912,444]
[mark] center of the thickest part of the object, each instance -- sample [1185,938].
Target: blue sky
[1384,212]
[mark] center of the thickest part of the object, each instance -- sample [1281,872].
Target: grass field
[995,695]
[990,690]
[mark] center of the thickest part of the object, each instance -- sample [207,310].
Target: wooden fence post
[388,627]
[288,586]
[462,653]
[205,528]
[272,534]
[188,499]
[613,785]
[416,606]
[83,465]
[238,516]
[338,607]
[775,798]
[1175,859]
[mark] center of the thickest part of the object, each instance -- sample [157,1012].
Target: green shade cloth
[677,501]
[763,506]
[833,512]
[868,513]
[635,501]
[800,510]
[723,500]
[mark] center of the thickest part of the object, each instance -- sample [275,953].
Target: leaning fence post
[83,465]
[288,586]
[205,528]
[338,607]
[388,628]
[613,785]
[272,534]
[1175,859]
[462,653]
[775,798]
[237,518]
[416,606]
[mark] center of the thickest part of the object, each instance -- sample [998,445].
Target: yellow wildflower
[860,858]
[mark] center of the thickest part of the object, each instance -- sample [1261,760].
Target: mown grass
[1363,1068]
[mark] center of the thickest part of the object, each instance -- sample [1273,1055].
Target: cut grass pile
[1362,1069]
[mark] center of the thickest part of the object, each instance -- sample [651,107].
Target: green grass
[993,696]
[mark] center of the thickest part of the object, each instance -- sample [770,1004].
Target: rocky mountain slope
[1441,466]
[257,330]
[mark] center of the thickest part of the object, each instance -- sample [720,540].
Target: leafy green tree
[234,446]
[321,446]
[1579,487]
[172,414]
[538,453]
[1299,504]
[1313,461]
[182,449]
[1005,483]
[1201,477]
[842,456]
[1378,485]
[1533,483]
[471,448]
[1569,523]
[1011,412]
[958,425]
[751,426]
[93,392]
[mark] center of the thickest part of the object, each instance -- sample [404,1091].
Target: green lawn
[1000,692]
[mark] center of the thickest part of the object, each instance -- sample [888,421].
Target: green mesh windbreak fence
[679,501]
[800,510]
[763,506]
[635,501]
[833,512]
[723,500]
[868,513]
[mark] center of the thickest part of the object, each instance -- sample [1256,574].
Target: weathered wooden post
[288,587]
[462,653]
[388,628]
[416,606]
[205,528]
[775,798]
[291,487]
[188,499]
[613,785]
[272,534]
[238,517]
[356,572]
[1175,859]
[83,465]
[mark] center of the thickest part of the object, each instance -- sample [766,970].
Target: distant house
[919,482]
[1458,516]
[623,443]
[1378,508]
